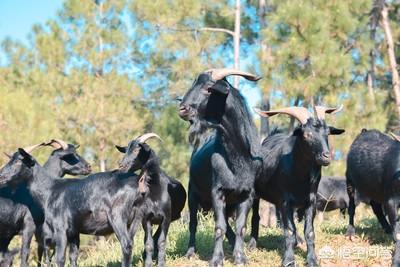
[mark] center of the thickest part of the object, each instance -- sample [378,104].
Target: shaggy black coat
[99,204]
[224,165]
[19,213]
[373,170]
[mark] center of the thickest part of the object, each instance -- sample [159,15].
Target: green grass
[364,251]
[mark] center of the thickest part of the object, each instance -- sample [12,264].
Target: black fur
[99,204]
[292,171]
[225,161]
[19,213]
[165,201]
[373,170]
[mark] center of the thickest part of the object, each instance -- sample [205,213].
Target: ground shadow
[204,245]
[367,227]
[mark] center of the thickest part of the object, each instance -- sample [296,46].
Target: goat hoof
[350,232]
[217,262]
[289,263]
[190,253]
[252,244]
[396,263]
[240,258]
[312,263]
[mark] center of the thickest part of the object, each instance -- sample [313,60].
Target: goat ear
[335,131]
[221,87]
[26,156]
[298,132]
[121,149]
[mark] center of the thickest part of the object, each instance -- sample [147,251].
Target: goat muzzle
[185,112]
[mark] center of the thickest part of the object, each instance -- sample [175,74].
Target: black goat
[332,194]
[166,199]
[373,170]
[19,213]
[7,257]
[224,167]
[99,204]
[292,166]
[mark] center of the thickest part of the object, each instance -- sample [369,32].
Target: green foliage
[103,72]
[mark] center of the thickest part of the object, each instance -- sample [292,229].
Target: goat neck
[152,168]
[53,167]
[237,127]
[40,184]
[303,159]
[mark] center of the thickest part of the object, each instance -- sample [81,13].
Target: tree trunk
[102,156]
[391,54]
[374,20]
[236,43]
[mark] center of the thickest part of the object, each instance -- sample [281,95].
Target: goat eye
[308,135]
[206,91]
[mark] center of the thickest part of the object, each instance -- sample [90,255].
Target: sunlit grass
[330,233]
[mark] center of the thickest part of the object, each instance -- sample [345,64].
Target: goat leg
[27,234]
[74,250]
[61,246]
[391,210]
[162,239]
[352,208]
[289,229]
[309,233]
[230,234]
[148,242]
[241,219]
[120,228]
[377,208]
[255,224]
[193,209]
[218,199]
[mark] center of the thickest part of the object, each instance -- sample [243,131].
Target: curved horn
[57,144]
[395,137]
[219,74]
[143,138]
[300,113]
[320,111]
[29,149]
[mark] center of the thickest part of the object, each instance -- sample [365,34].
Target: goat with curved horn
[143,138]
[29,149]
[300,113]
[320,111]
[219,74]
[57,144]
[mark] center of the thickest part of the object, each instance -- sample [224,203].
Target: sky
[18,16]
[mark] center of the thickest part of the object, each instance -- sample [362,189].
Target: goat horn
[57,144]
[395,137]
[300,113]
[320,111]
[29,149]
[219,74]
[143,138]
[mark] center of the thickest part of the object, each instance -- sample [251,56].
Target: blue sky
[18,16]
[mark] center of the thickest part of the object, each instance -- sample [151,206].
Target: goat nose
[326,154]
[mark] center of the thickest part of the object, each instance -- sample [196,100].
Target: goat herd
[230,170]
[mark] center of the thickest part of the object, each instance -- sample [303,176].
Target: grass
[372,247]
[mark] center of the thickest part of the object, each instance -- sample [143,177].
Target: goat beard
[198,133]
